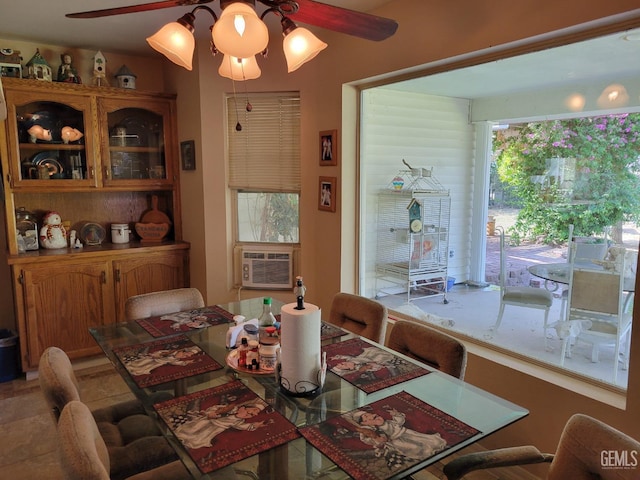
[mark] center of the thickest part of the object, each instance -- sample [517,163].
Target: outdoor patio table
[558,273]
[476,408]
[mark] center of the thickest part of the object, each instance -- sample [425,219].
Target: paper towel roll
[300,363]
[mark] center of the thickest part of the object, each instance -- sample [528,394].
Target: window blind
[265,155]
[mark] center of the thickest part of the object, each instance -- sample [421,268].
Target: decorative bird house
[126,78]
[38,68]
[100,70]
[10,63]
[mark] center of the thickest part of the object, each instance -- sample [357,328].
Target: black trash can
[8,355]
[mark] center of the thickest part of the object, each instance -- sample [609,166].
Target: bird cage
[413,235]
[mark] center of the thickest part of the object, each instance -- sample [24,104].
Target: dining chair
[520,296]
[84,454]
[598,310]
[430,346]
[360,315]
[580,455]
[125,427]
[160,303]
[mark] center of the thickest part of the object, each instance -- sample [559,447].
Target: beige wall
[428,32]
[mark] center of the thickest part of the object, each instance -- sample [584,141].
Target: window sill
[604,393]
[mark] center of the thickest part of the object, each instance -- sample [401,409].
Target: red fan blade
[364,25]
[136,8]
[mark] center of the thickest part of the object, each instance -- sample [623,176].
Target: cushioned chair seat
[427,345]
[538,296]
[84,455]
[162,302]
[359,315]
[128,433]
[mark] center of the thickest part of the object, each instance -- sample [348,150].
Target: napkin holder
[237,330]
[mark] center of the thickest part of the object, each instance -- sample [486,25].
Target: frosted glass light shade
[239,31]
[300,46]
[239,69]
[176,42]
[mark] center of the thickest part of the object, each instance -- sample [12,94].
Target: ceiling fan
[342,20]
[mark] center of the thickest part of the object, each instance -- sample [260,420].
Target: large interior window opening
[448,122]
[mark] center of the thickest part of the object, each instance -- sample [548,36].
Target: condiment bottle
[268,353]
[266,318]
[243,349]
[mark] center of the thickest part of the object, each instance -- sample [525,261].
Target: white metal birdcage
[413,254]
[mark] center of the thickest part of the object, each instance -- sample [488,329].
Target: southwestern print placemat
[160,361]
[387,437]
[179,322]
[328,331]
[368,367]
[224,424]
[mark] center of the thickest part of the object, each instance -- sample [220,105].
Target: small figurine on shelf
[66,72]
[38,132]
[70,134]
[53,234]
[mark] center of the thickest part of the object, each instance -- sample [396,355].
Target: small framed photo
[327,192]
[188,154]
[329,148]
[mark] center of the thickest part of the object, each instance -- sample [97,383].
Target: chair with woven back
[598,308]
[580,454]
[163,302]
[520,296]
[429,346]
[84,454]
[360,315]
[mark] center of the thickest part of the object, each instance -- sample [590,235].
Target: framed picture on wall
[327,194]
[328,148]
[188,154]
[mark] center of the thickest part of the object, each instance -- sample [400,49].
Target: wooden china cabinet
[97,156]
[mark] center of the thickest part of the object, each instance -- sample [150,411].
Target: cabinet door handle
[104,277]
[91,172]
[106,172]
[117,275]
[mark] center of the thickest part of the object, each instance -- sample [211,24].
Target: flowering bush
[601,189]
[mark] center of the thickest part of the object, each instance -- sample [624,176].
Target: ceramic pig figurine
[70,134]
[37,132]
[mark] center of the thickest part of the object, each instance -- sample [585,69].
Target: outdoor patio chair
[580,454]
[520,296]
[160,303]
[598,310]
[360,315]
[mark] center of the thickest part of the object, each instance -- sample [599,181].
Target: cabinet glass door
[51,142]
[134,151]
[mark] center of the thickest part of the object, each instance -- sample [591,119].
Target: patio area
[473,310]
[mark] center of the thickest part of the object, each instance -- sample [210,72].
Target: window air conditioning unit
[267,269]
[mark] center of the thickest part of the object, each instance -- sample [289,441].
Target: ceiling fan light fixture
[239,32]
[175,41]
[299,44]
[239,69]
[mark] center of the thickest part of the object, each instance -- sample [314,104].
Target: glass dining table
[482,411]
